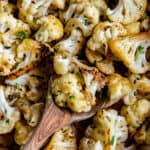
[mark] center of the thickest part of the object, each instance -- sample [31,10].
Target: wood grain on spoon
[53,119]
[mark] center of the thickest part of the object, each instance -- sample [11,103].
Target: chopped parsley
[14,66]
[71,97]
[78,74]
[48,97]
[22,35]
[112,140]
[7,121]
[141,49]
[86,22]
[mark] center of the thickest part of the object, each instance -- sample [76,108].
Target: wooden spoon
[53,119]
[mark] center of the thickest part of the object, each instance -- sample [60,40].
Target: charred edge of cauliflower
[108,128]
[136,114]
[51,29]
[127,11]
[8,114]
[64,139]
[132,51]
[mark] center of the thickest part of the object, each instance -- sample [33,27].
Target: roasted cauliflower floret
[51,29]
[22,133]
[64,139]
[142,135]
[102,33]
[90,144]
[72,44]
[136,113]
[8,115]
[108,128]
[69,89]
[12,30]
[33,10]
[119,88]
[127,11]
[132,51]
[86,17]
[7,7]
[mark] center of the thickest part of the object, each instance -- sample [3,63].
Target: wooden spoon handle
[53,119]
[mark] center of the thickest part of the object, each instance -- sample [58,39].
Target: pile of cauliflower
[81,52]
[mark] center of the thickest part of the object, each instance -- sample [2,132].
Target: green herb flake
[100,95]
[48,97]
[141,49]
[86,22]
[22,35]
[78,74]
[14,66]
[71,97]
[112,140]
[7,121]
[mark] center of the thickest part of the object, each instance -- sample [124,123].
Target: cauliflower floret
[7,7]
[77,90]
[104,32]
[31,11]
[72,45]
[8,115]
[127,11]
[90,144]
[51,29]
[136,113]
[12,30]
[22,133]
[132,51]
[64,139]
[142,135]
[119,88]
[86,17]
[108,128]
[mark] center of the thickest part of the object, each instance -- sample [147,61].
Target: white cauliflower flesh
[8,114]
[31,11]
[132,51]
[12,30]
[69,90]
[90,144]
[102,33]
[51,29]
[72,44]
[64,139]
[119,88]
[127,11]
[86,17]
[108,128]
[136,113]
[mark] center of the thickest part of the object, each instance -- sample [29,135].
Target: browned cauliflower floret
[83,15]
[127,11]
[142,135]
[64,139]
[77,90]
[102,33]
[119,88]
[12,30]
[51,29]
[136,113]
[31,11]
[72,44]
[132,51]
[108,130]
